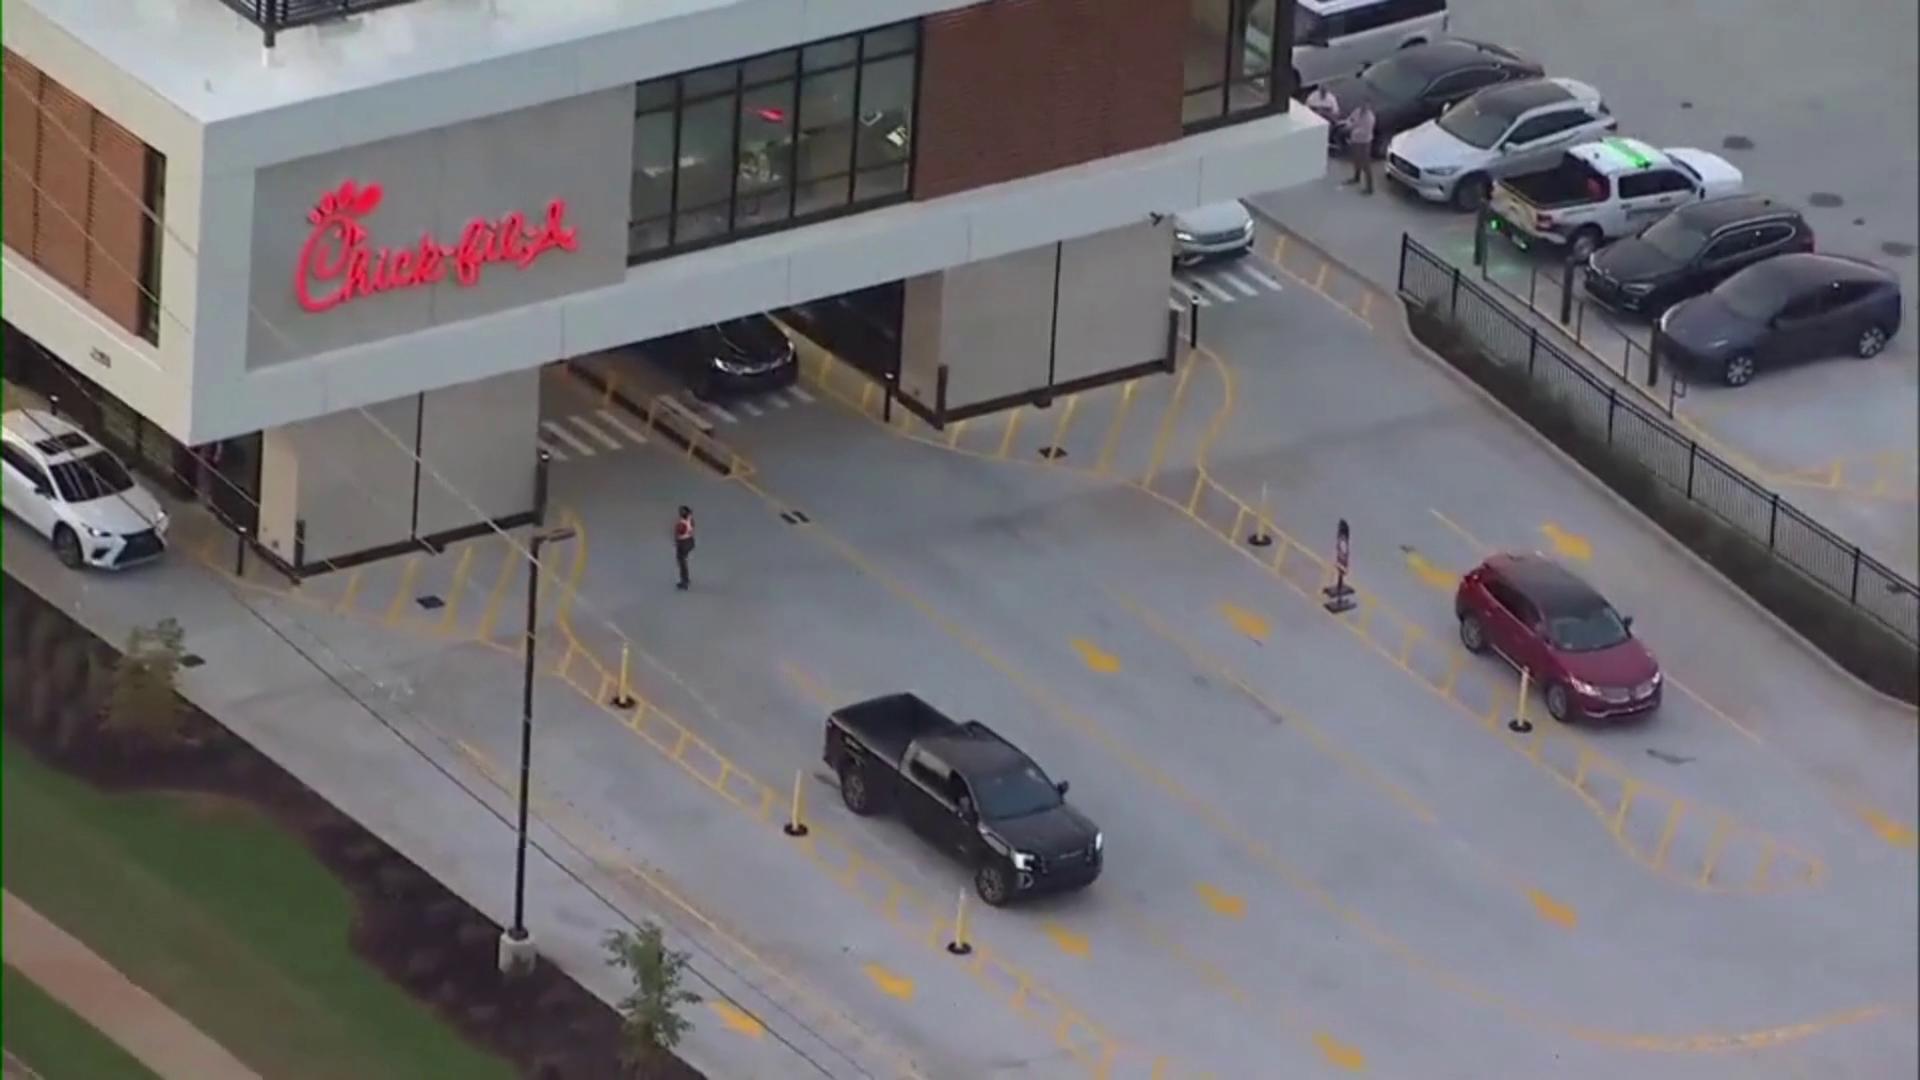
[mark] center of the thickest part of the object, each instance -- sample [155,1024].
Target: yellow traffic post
[960,946]
[623,694]
[795,826]
[1520,723]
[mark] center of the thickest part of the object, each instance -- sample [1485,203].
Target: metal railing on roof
[273,16]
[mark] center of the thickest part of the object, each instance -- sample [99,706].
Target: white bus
[1332,38]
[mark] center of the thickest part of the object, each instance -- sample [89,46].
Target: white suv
[1499,132]
[69,489]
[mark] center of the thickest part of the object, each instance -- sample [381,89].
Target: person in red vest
[683,543]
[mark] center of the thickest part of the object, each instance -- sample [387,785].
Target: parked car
[967,791]
[1604,190]
[1542,619]
[1334,38]
[1222,230]
[735,357]
[1693,249]
[1783,310]
[68,488]
[1420,82]
[1501,131]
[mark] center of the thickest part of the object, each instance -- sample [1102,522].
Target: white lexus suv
[69,489]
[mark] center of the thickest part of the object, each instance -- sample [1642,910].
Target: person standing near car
[1322,101]
[1360,124]
[683,544]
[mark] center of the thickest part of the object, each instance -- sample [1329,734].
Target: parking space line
[595,433]
[450,615]
[613,420]
[496,596]
[1218,293]
[402,593]
[1239,283]
[349,596]
[1265,278]
[1111,442]
[566,437]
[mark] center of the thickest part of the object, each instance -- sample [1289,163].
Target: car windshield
[1587,631]
[95,476]
[1474,124]
[1397,79]
[1014,793]
[1676,238]
[1755,293]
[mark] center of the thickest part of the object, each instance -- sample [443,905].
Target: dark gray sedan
[1784,310]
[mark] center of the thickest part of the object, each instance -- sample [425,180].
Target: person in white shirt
[1322,101]
[1360,126]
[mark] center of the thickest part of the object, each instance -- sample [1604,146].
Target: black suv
[735,357]
[1693,249]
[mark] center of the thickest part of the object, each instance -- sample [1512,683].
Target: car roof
[1445,54]
[1804,270]
[976,751]
[50,436]
[1548,584]
[1618,154]
[1725,210]
[1335,7]
[1515,98]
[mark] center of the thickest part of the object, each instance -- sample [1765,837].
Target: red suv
[1541,618]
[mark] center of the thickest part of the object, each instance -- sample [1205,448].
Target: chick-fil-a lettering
[337,263]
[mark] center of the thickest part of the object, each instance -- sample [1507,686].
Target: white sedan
[1499,132]
[69,489]
[1222,230]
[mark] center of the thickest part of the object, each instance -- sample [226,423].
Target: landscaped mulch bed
[411,927]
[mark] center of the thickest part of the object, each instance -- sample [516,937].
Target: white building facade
[360,245]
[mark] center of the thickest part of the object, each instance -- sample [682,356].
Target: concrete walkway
[79,979]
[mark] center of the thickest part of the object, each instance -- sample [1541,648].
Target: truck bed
[887,725]
[1566,184]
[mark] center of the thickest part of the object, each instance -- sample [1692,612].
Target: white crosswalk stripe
[1188,296]
[566,437]
[1220,284]
[717,412]
[1263,277]
[1218,292]
[595,433]
[801,395]
[780,401]
[1240,283]
[752,409]
[613,421]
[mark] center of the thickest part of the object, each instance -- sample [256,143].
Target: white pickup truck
[1601,191]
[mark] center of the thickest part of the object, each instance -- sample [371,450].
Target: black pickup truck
[966,790]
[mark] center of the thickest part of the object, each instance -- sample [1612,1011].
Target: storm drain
[430,603]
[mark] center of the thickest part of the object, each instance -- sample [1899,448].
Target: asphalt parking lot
[1835,437]
[1327,851]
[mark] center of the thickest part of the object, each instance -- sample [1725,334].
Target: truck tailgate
[1510,205]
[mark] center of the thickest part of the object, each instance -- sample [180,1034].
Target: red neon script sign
[338,264]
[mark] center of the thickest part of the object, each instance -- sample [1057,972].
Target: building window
[1238,57]
[773,141]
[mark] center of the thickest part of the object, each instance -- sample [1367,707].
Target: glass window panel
[706,169]
[657,94]
[766,155]
[718,79]
[770,68]
[897,38]
[1208,25]
[1249,96]
[652,192]
[830,54]
[1256,38]
[820,196]
[645,236]
[870,184]
[886,111]
[1202,105]
[826,124]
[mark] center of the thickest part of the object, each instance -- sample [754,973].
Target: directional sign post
[1340,594]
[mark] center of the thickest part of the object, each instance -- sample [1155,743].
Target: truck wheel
[854,791]
[993,885]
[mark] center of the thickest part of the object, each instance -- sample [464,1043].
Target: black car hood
[1051,832]
[1633,259]
[1350,91]
[1705,326]
[754,340]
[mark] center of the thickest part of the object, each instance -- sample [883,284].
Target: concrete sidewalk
[95,991]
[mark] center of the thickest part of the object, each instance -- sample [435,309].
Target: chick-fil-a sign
[339,263]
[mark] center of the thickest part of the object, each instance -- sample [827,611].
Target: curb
[1419,348]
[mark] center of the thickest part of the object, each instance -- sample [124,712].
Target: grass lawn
[211,908]
[57,1044]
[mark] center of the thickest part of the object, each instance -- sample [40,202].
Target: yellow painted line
[496,596]
[1473,542]
[1066,418]
[809,685]
[1555,912]
[1340,1055]
[1320,278]
[1250,623]
[1566,543]
[1433,577]
[953,434]
[350,596]
[450,616]
[403,594]
[1013,425]
[889,983]
[1222,902]
[1168,419]
[736,1019]
[1096,658]
[1066,940]
[1112,442]
[1893,832]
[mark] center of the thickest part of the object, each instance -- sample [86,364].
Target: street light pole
[517,950]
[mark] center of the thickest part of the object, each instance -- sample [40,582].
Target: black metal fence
[1631,428]
[273,16]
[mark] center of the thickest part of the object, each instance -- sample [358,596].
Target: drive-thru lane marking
[562,435]
[595,433]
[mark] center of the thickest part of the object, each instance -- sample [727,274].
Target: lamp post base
[518,955]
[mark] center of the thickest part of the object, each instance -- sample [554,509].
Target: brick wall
[74,186]
[1012,88]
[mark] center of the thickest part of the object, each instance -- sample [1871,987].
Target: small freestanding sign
[1340,594]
